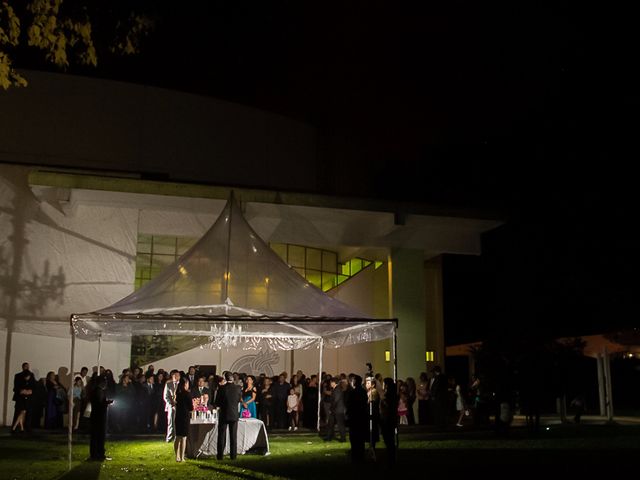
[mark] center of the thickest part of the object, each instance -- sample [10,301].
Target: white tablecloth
[252,435]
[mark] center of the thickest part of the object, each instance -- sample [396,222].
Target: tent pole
[227,272]
[395,376]
[609,390]
[320,382]
[99,351]
[395,358]
[70,397]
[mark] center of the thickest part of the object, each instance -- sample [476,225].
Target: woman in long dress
[53,413]
[248,399]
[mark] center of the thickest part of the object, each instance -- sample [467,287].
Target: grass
[588,451]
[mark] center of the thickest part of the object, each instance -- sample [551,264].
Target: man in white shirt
[169,396]
[83,375]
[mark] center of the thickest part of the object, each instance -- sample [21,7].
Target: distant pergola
[600,347]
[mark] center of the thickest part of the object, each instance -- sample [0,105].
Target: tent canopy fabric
[231,287]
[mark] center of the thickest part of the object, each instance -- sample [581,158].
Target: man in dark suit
[201,391]
[358,414]
[227,401]
[99,404]
[439,395]
[193,377]
[19,384]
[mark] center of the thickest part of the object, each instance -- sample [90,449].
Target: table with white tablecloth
[202,440]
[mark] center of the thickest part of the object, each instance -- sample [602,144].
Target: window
[320,267]
[154,253]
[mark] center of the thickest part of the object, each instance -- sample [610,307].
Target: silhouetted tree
[69,31]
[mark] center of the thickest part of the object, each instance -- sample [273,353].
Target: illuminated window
[154,253]
[320,267]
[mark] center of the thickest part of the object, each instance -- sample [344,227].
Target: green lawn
[583,450]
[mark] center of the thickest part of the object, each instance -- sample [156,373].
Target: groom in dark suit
[227,401]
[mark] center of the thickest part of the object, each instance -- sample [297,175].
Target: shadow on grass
[228,471]
[89,470]
[301,466]
[461,463]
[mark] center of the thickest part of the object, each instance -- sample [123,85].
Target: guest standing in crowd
[55,402]
[389,419]
[310,403]
[170,390]
[266,411]
[373,401]
[439,395]
[292,409]
[411,399]
[98,396]
[18,381]
[192,377]
[248,399]
[161,414]
[123,413]
[280,392]
[38,402]
[326,391]
[212,384]
[297,385]
[357,413]
[184,405]
[337,411]
[422,392]
[23,391]
[78,392]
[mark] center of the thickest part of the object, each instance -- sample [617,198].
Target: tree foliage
[66,32]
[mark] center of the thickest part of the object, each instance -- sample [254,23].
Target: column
[434,311]
[408,305]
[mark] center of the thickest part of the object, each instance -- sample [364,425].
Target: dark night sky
[530,111]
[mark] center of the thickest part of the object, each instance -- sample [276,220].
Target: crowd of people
[158,402]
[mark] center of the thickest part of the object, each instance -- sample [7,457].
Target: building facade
[92,168]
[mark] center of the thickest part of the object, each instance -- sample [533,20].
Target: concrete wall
[54,263]
[66,120]
[434,311]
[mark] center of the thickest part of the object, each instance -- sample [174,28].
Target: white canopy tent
[233,289]
[231,277]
